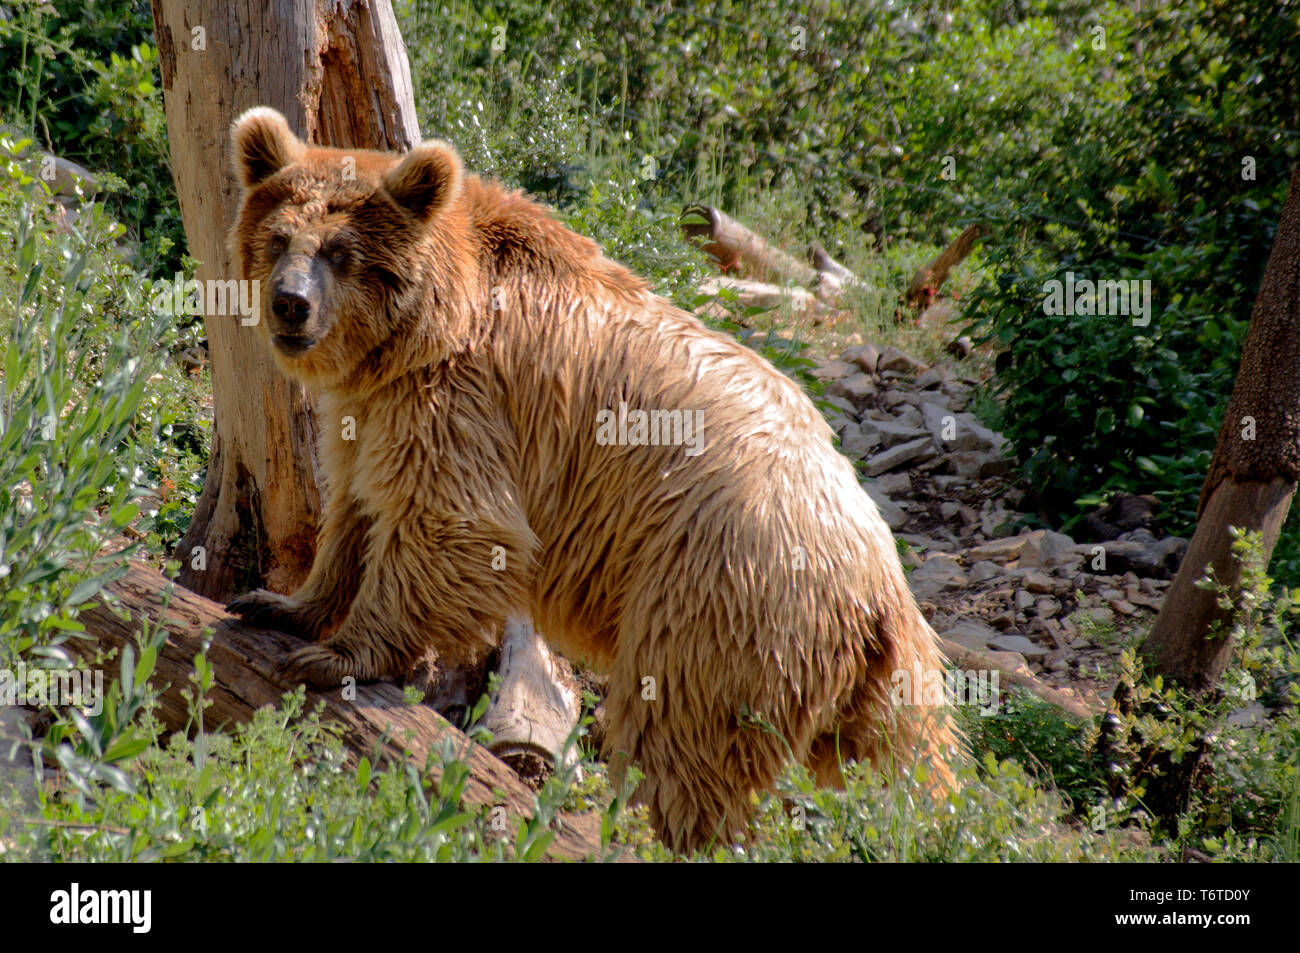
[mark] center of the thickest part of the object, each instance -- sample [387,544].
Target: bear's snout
[296,293]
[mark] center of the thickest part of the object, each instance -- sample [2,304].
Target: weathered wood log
[928,280]
[378,720]
[827,265]
[968,659]
[535,706]
[730,243]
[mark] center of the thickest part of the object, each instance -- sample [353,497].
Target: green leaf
[126,747]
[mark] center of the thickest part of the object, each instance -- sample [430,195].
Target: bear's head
[353,251]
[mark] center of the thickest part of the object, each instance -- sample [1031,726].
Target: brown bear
[513,425]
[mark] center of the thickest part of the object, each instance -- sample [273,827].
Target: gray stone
[988,439]
[864,356]
[945,428]
[1017,643]
[970,634]
[858,444]
[893,458]
[1004,549]
[843,404]
[856,388]
[891,434]
[832,370]
[925,543]
[892,398]
[909,416]
[939,572]
[896,483]
[892,359]
[984,570]
[944,483]
[1039,582]
[1042,546]
[935,376]
[841,423]
[976,464]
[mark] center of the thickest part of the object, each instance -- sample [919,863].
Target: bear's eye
[276,246]
[338,255]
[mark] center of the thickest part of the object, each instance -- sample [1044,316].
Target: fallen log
[828,267]
[973,659]
[377,721]
[927,281]
[730,243]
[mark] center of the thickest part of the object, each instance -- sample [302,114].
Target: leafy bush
[999,814]
[81,79]
[1056,748]
[1174,172]
[77,358]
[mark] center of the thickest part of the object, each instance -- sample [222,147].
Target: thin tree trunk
[1252,475]
[927,281]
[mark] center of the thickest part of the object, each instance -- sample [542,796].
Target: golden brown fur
[474,339]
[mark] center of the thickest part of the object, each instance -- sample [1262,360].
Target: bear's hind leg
[700,766]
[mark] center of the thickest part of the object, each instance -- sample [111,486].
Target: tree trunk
[243,661]
[1252,474]
[927,281]
[339,73]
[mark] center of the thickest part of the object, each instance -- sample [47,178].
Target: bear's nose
[291,307]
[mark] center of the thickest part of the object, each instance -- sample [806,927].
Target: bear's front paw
[269,610]
[317,665]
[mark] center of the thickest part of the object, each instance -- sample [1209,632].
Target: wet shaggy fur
[743,599]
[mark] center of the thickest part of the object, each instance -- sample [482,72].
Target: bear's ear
[426,180]
[262,145]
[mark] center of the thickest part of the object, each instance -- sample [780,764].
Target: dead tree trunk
[243,660]
[1252,475]
[927,281]
[1251,481]
[339,73]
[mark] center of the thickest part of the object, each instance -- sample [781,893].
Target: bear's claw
[317,665]
[266,610]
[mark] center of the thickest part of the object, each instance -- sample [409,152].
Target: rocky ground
[1065,607]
